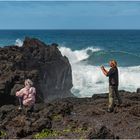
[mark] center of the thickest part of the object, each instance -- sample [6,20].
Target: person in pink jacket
[27,95]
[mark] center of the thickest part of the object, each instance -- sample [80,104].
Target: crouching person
[27,95]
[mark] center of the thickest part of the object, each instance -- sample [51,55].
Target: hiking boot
[109,110]
[31,109]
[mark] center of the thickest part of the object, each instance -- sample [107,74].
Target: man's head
[113,63]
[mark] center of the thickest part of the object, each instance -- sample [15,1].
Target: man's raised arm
[105,72]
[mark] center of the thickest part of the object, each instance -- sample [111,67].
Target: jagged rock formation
[44,64]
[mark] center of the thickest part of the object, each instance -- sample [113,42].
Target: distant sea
[87,50]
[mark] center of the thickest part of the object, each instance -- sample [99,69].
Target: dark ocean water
[87,50]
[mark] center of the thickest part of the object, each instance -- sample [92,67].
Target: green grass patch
[46,133]
[2,134]
[57,117]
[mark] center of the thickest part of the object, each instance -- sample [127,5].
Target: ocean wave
[18,42]
[77,55]
[123,58]
[88,79]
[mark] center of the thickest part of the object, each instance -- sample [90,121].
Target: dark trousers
[113,91]
[20,101]
[31,108]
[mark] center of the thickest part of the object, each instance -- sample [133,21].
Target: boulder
[44,64]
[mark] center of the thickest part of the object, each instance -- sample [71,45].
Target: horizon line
[73,29]
[69,0]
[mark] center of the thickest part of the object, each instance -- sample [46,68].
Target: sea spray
[18,42]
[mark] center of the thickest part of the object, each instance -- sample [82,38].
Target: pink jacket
[28,95]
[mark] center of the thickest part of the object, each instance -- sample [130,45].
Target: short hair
[114,62]
[28,82]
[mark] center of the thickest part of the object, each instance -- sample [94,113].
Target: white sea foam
[77,55]
[89,80]
[129,78]
[18,42]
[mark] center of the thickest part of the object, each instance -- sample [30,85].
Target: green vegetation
[45,133]
[57,117]
[67,130]
[79,130]
[2,134]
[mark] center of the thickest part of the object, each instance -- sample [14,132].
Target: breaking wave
[87,76]
[18,42]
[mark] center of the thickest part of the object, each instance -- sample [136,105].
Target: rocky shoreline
[74,118]
[62,115]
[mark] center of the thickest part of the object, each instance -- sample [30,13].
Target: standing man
[113,84]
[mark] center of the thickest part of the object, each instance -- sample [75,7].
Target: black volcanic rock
[74,118]
[102,133]
[44,64]
[21,124]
